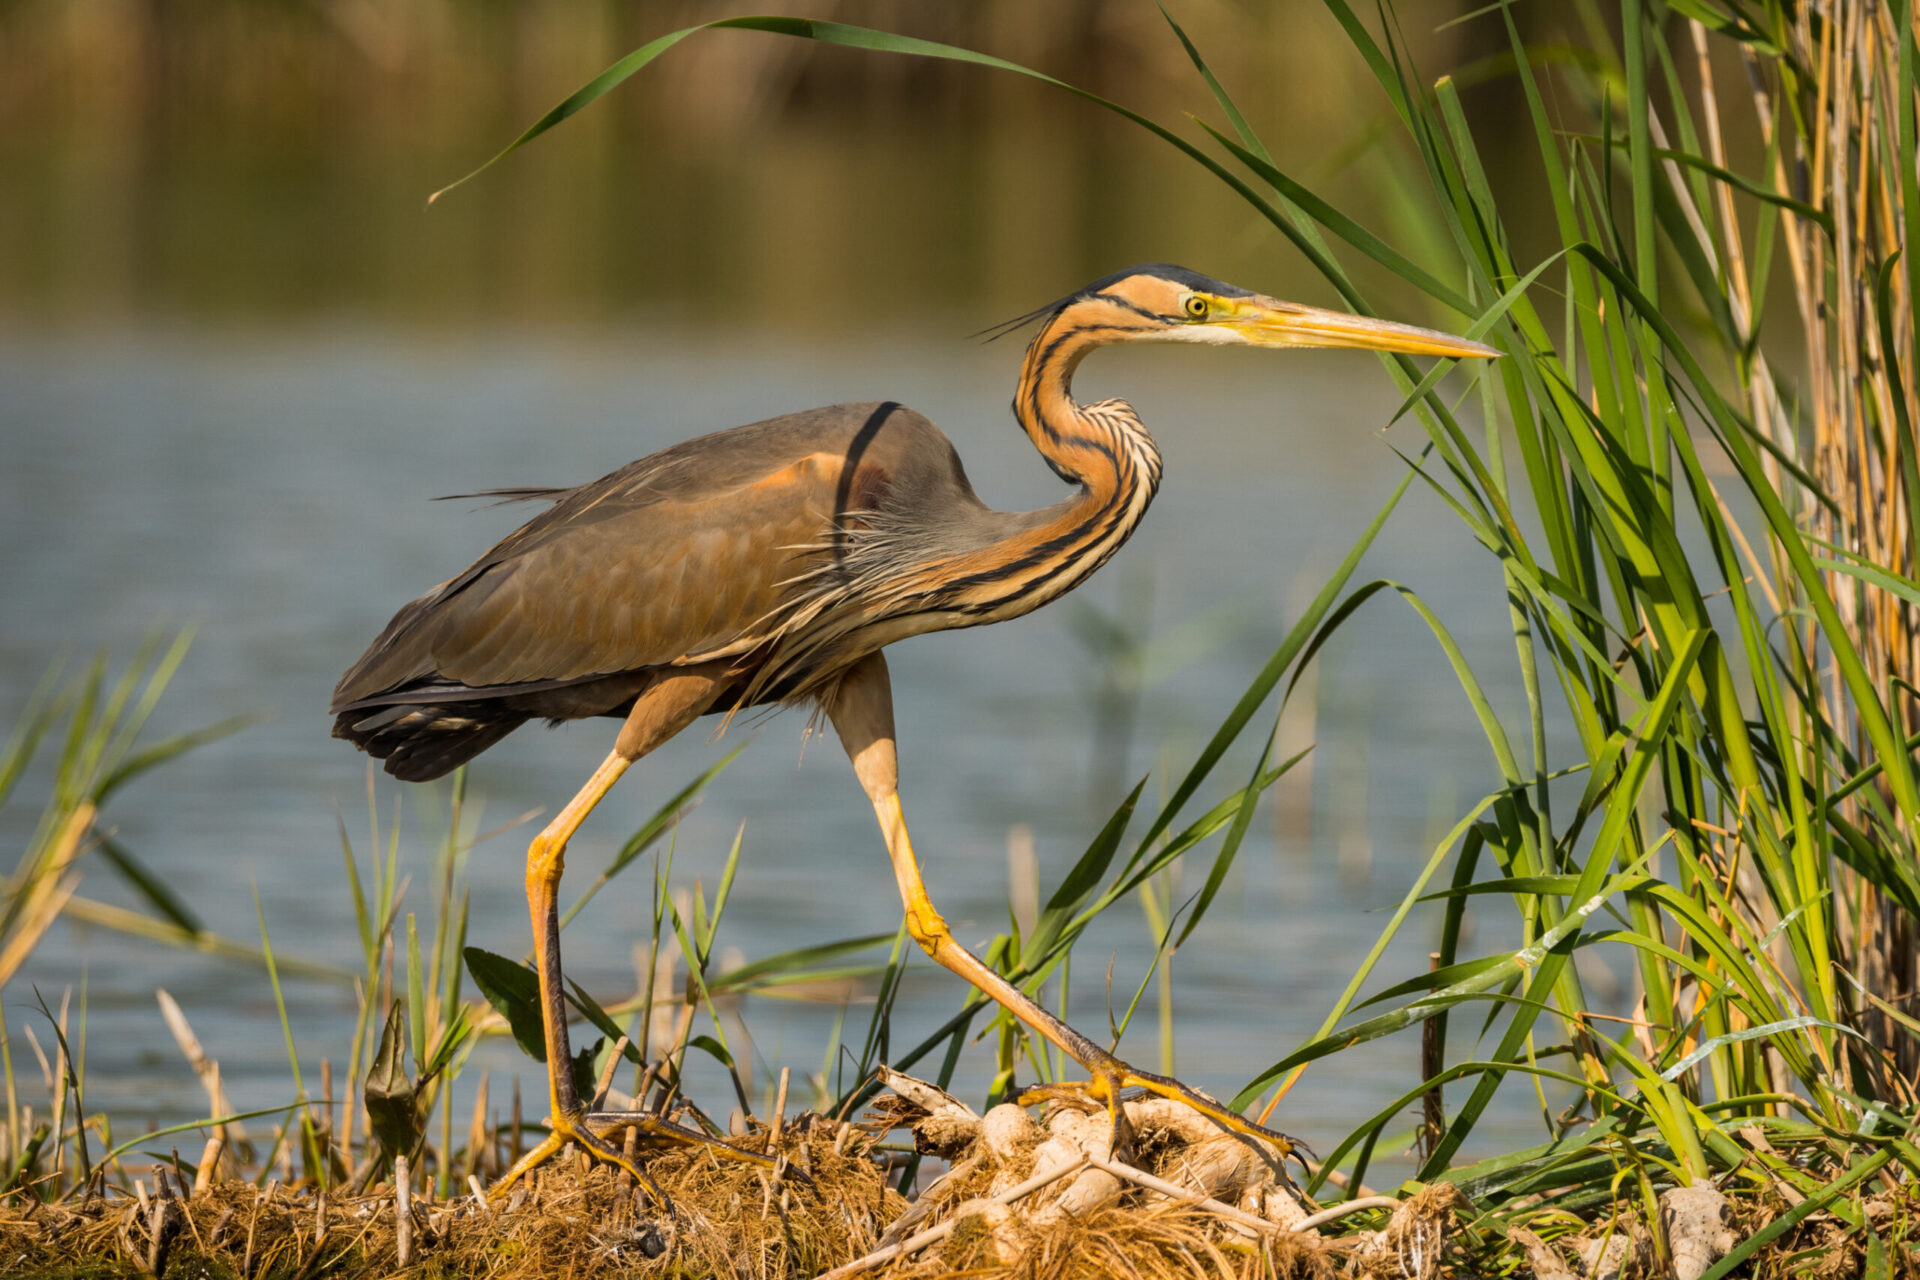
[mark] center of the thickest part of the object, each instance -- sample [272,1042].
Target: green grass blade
[152,757]
[720,894]
[801,28]
[279,997]
[1345,227]
[798,960]
[156,891]
[1248,138]
[663,820]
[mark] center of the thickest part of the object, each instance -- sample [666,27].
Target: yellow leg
[665,709]
[862,713]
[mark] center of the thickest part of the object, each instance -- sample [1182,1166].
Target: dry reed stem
[1342,1210]
[204,1067]
[46,890]
[1126,1173]
[402,1210]
[209,1164]
[479,1147]
[1848,153]
[605,1082]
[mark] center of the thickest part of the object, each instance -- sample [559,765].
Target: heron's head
[1163,303]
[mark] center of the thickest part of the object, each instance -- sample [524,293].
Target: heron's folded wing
[607,582]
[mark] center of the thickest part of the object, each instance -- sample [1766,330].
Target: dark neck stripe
[1070,554]
[1107,453]
[1134,307]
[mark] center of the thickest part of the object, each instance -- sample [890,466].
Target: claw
[590,1131]
[657,1131]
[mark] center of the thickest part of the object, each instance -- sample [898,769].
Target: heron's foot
[591,1131]
[1110,1077]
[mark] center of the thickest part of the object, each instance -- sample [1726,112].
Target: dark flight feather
[526,493]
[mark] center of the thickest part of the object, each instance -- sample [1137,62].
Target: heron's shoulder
[827,440]
[852,429]
[800,459]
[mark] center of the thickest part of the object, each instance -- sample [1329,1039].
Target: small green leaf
[584,1079]
[514,992]
[712,1048]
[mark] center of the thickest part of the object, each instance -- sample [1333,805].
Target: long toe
[581,1130]
[1111,1077]
[657,1131]
[1212,1108]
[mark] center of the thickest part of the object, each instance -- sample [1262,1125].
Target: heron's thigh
[861,708]
[678,697]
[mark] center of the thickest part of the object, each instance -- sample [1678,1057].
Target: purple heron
[771,564]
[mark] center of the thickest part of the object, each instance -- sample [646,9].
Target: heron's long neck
[1103,448]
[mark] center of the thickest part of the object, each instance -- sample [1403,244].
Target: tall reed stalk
[1837,113]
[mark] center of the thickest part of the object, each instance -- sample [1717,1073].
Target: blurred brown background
[231,160]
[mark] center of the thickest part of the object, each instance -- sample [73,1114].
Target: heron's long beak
[1269,322]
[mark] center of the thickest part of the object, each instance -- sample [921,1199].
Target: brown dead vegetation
[1021,1198]
[729,1219]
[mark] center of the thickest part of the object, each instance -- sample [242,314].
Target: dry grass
[729,1219]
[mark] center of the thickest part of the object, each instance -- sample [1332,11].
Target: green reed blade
[664,819]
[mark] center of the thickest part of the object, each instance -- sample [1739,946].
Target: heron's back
[696,553]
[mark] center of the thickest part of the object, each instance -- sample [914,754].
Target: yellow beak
[1269,322]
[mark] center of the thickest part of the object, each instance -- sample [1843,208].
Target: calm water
[274,492]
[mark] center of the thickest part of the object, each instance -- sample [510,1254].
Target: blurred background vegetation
[231,160]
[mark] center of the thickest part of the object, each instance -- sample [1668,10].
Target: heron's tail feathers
[423,742]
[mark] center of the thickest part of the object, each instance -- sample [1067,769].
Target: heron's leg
[667,706]
[862,713]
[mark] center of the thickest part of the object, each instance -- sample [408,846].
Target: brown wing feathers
[677,557]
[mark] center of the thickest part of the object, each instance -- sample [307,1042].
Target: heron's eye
[1195,307]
